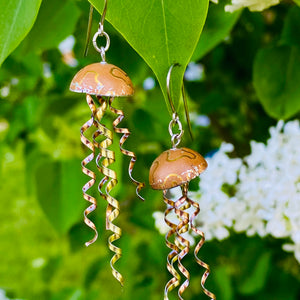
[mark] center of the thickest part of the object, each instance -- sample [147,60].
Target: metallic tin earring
[177,167]
[105,81]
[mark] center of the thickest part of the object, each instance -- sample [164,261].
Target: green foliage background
[252,65]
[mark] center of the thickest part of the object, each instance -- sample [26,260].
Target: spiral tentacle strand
[102,146]
[126,133]
[180,206]
[104,159]
[198,247]
[87,171]
[112,213]
[173,255]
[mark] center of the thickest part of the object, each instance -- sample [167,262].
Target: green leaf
[93,270]
[162,32]
[290,33]
[224,281]
[297,2]
[58,186]
[217,27]
[257,279]
[56,20]
[16,19]
[68,293]
[276,78]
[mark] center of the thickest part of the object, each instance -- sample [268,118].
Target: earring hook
[88,31]
[100,32]
[175,118]
[168,87]
[175,137]
[103,15]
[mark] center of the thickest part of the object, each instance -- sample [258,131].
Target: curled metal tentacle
[180,206]
[112,213]
[126,133]
[173,255]
[197,248]
[104,159]
[102,146]
[88,172]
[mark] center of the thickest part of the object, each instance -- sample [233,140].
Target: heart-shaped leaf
[276,78]
[16,19]
[162,32]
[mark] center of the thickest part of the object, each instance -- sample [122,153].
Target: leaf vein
[13,23]
[165,30]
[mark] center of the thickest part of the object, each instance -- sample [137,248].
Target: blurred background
[42,252]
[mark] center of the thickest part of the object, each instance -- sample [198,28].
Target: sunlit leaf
[163,32]
[276,78]
[16,19]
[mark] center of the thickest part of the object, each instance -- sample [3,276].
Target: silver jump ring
[101,49]
[175,137]
[175,120]
[102,53]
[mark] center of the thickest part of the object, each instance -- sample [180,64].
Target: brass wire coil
[184,244]
[198,247]
[104,159]
[126,133]
[181,246]
[88,172]
[173,255]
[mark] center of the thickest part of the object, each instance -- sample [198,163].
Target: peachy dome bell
[175,167]
[102,79]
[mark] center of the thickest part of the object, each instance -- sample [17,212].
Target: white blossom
[293,248]
[194,72]
[199,120]
[253,5]
[66,49]
[257,195]
[149,84]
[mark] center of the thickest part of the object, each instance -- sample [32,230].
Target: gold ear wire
[89,27]
[168,83]
[103,13]
[186,110]
[88,31]
[184,98]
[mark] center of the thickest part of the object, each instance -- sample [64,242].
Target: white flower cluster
[257,195]
[253,5]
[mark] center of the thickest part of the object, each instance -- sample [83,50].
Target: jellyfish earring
[177,167]
[105,81]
